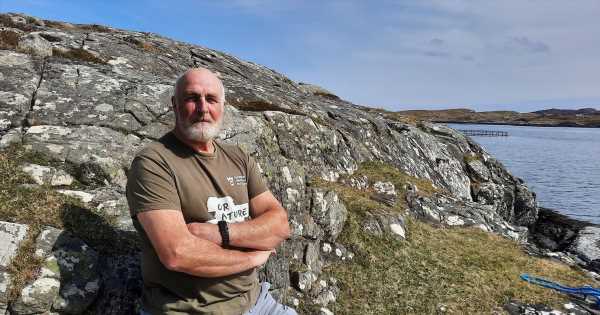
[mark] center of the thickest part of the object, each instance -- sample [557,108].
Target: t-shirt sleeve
[256,182]
[151,186]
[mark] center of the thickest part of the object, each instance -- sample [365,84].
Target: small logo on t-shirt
[236,180]
[224,209]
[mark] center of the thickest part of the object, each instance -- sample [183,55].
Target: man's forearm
[265,232]
[201,258]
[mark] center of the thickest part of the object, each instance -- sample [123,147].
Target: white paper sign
[224,209]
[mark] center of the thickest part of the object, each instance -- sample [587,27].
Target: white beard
[202,131]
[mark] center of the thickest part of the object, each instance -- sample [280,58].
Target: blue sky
[486,55]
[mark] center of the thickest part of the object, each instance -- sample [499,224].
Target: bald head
[198,104]
[196,74]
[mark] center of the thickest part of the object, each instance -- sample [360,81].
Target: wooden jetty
[484,133]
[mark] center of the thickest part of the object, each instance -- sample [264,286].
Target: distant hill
[585,117]
[555,111]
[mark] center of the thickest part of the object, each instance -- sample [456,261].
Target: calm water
[562,165]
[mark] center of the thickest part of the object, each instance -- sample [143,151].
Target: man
[204,213]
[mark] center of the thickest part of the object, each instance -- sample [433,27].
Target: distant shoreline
[570,125]
[580,118]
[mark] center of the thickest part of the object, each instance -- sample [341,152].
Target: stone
[37,297]
[312,258]
[35,44]
[45,175]
[525,207]
[81,195]
[478,169]
[380,223]
[386,188]
[11,236]
[11,137]
[325,311]
[329,212]
[452,212]
[304,280]
[587,244]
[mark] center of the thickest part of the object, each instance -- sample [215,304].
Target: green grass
[466,270]
[42,206]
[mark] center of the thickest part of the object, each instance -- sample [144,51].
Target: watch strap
[224,231]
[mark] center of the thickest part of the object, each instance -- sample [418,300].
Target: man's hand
[206,231]
[265,231]
[261,256]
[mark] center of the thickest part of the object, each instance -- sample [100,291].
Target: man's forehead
[198,77]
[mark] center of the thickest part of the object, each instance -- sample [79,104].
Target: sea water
[560,164]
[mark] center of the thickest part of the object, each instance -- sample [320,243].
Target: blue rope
[585,290]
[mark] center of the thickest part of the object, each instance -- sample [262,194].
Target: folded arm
[181,251]
[265,231]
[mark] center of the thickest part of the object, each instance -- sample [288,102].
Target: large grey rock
[587,244]
[11,235]
[46,175]
[450,211]
[380,223]
[101,153]
[19,76]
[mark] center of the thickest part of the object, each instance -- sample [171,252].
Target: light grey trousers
[265,304]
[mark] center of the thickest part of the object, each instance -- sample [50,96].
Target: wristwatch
[224,230]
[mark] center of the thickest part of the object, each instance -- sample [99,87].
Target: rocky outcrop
[88,97]
[566,239]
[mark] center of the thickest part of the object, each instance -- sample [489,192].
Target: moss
[52,265]
[467,270]
[77,54]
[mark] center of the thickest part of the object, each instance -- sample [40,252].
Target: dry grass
[8,39]
[25,265]
[77,54]
[466,270]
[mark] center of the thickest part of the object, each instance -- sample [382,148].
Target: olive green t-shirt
[167,174]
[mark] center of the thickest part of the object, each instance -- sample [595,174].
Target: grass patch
[466,270]
[25,265]
[77,54]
